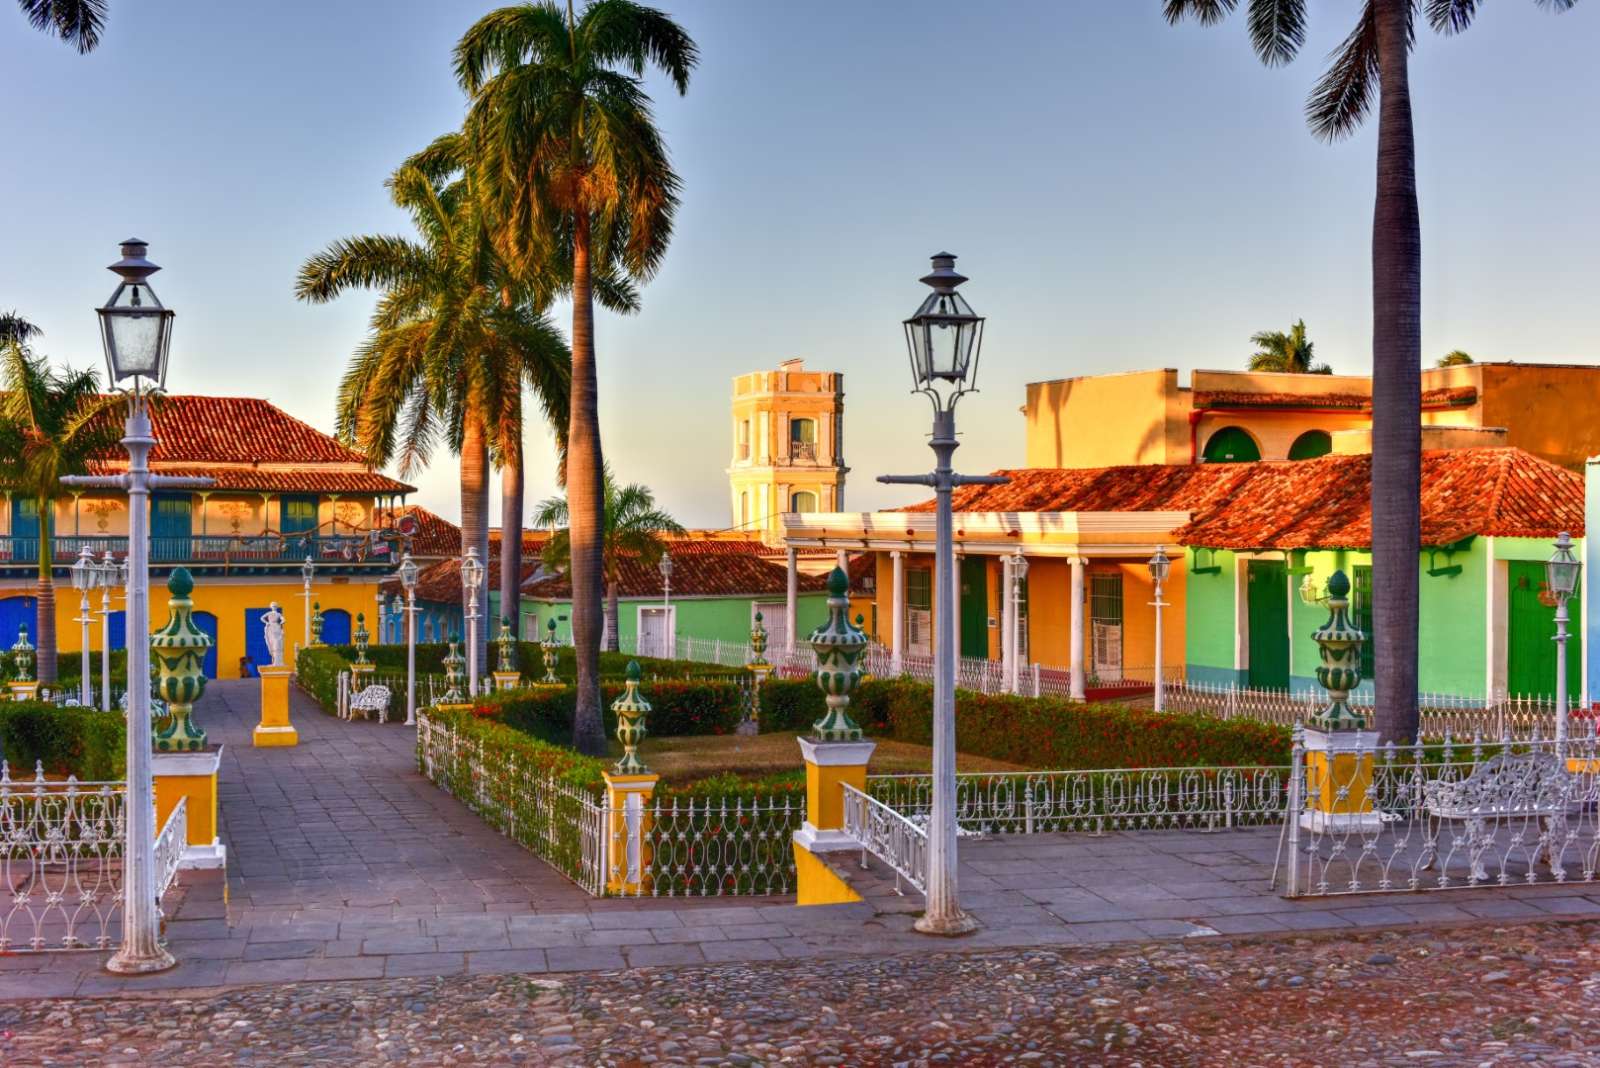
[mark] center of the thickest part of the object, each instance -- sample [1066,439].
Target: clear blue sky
[1123,194]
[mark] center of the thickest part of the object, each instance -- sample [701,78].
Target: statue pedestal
[1339,781]
[360,676]
[506,680]
[192,776]
[829,766]
[275,728]
[24,691]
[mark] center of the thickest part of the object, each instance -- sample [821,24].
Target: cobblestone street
[1520,994]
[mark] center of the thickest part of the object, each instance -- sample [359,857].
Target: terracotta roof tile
[1132,488]
[1446,397]
[701,567]
[259,480]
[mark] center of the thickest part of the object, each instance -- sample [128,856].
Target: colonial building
[284,492]
[788,446]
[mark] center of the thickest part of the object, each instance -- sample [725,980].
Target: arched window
[803,501]
[1231,445]
[1310,445]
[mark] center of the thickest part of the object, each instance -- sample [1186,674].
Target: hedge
[676,708]
[317,671]
[84,742]
[1039,732]
[530,661]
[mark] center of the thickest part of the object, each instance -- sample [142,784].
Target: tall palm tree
[633,527]
[52,423]
[1372,63]
[1453,358]
[77,22]
[1287,352]
[564,139]
[453,343]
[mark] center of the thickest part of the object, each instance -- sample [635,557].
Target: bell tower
[788,446]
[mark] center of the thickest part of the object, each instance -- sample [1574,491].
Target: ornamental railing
[170,843]
[219,549]
[901,843]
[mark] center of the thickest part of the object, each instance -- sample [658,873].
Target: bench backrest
[372,697]
[1507,782]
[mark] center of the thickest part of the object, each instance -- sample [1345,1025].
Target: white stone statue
[272,624]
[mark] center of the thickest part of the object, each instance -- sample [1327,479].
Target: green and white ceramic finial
[839,646]
[1340,642]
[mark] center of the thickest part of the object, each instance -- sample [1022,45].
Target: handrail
[887,835]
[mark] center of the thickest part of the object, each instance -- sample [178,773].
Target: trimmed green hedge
[676,708]
[317,671]
[530,661]
[559,762]
[1039,732]
[84,742]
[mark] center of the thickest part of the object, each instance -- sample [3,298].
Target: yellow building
[1147,417]
[788,446]
[284,492]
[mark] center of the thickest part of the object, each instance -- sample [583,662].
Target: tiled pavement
[345,863]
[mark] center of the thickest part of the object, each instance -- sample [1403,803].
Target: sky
[1123,195]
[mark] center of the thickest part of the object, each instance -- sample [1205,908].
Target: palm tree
[1453,358]
[453,342]
[52,423]
[1372,63]
[1287,352]
[77,22]
[563,136]
[633,528]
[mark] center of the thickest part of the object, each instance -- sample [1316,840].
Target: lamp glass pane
[1561,572]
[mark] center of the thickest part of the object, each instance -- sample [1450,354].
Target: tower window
[803,501]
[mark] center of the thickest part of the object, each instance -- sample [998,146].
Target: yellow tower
[788,446]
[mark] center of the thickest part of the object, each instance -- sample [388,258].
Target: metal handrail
[886,834]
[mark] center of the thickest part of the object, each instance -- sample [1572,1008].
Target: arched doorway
[207,622]
[1231,445]
[1310,445]
[16,613]
[336,627]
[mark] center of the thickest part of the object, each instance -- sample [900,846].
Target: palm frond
[1451,16]
[1344,94]
[1205,12]
[77,22]
[362,263]
[636,37]
[1277,29]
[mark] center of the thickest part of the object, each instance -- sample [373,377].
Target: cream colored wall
[1103,420]
[1548,410]
[1275,432]
[1278,382]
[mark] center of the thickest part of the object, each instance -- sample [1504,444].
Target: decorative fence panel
[898,841]
[1516,715]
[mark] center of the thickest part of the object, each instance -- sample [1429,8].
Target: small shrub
[84,742]
[677,708]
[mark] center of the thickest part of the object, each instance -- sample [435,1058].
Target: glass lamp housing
[665,565]
[1019,566]
[944,335]
[471,571]
[84,571]
[1160,565]
[135,329]
[1561,570]
[408,573]
[308,570]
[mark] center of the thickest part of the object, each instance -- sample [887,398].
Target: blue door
[255,641]
[336,627]
[119,630]
[170,526]
[24,531]
[208,623]
[16,613]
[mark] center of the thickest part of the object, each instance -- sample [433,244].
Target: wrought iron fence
[1443,816]
[170,844]
[899,842]
[1517,715]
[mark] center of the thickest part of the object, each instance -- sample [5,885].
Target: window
[803,439]
[919,611]
[1361,612]
[298,515]
[1231,445]
[1105,625]
[803,501]
[1310,445]
[744,439]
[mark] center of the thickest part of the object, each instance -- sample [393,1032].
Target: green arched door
[1310,445]
[1231,445]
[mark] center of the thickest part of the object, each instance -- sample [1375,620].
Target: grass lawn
[687,758]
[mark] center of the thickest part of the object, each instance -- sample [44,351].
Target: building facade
[788,446]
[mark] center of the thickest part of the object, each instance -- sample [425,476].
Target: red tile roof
[1446,397]
[436,537]
[701,567]
[1305,504]
[267,480]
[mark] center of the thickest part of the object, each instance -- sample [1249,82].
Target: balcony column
[897,629]
[792,595]
[1076,658]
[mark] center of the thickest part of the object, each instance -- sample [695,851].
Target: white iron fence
[61,846]
[898,841]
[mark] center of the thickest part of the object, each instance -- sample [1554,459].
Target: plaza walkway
[345,863]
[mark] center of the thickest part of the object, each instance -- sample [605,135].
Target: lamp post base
[959,923]
[124,963]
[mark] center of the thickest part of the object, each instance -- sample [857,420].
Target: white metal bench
[374,698]
[1507,787]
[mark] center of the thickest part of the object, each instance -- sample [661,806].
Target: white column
[897,629]
[1075,660]
[1008,628]
[843,560]
[792,595]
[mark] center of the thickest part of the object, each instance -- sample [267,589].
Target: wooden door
[1268,604]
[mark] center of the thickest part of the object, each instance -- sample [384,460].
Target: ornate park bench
[1508,788]
[374,698]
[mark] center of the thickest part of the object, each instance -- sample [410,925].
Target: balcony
[802,452]
[209,551]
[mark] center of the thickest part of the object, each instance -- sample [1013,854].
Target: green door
[1530,633]
[1268,604]
[974,583]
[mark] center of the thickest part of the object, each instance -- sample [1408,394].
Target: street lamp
[943,338]
[110,576]
[136,332]
[408,582]
[308,571]
[1160,567]
[1019,575]
[471,584]
[1561,576]
[85,576]
[668,631]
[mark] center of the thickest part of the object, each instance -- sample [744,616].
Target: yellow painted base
[275,728]
[1589,766]
[825,792]
[629,852]
[816,883]
[23,691]
[506,680]
[1339,783]
[200,789]
[454,707]
[360,676]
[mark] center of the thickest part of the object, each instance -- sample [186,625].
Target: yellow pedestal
[830,766]
[24,691]
[361,676]
[192,776]
[1339,780]
[628,850]
[275,728]
[506,680]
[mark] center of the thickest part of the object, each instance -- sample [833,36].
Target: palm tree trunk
[511,537]
[613,640]
[1396,387]
[475,520]
[45,641]
[585,502]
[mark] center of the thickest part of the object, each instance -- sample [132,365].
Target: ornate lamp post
[943,338]
[408,582]
[1561,575]
[110,576]
[308,571]
[136,332]
[471,585]
[85,577]
[1014,633]
[669,634]
[1160,567]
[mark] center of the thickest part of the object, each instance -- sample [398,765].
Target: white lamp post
[85,575]
[1019,575]
[943,339]
[110,575]
[1561,576]
[668,634]
[1160,567]
[136,332]
[472,583]
[308,571]
[408,582]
